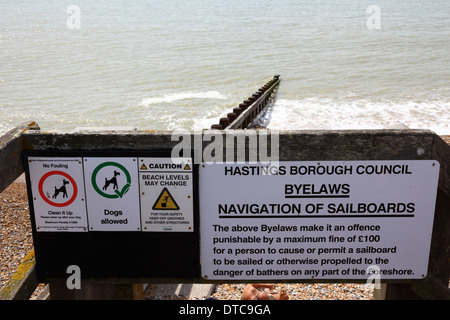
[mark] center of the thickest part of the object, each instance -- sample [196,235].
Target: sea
[166,65]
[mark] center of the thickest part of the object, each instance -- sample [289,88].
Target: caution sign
[317,220]
[58,194]
[112,192]
[166,194]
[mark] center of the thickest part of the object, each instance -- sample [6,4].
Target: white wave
[330,114]
[172,97]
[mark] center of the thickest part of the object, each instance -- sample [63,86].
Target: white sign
[58,194]
[112,192]
[317,220]
[166,194]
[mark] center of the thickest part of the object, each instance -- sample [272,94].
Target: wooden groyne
[247,111]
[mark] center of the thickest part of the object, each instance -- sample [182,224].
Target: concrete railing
[24,281]
[293,146]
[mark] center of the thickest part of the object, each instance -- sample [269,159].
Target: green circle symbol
[117,193]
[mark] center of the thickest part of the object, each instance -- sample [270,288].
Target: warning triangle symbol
[165,201]
[143,167]
[186,167]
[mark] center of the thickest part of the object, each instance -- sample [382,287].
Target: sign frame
[167,201]
[118,206]
[61,206]
[234,219]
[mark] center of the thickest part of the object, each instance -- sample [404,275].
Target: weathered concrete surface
[11,147]
[356,145]
[393,144]
[22,282]
[294,145]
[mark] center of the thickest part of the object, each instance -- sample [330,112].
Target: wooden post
[232,116]
[224,122]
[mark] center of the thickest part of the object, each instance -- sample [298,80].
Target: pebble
[15,230]
[446,139]
[302,291]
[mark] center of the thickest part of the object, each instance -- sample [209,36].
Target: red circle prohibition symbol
[41,191]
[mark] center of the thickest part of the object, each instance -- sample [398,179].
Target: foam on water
[329,114]
[176,96]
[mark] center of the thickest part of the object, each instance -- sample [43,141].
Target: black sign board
[114,214]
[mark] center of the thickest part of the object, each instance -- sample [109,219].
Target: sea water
[163,65]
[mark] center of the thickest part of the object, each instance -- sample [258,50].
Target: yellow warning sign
[143,167]
[186,167]
[165,201]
